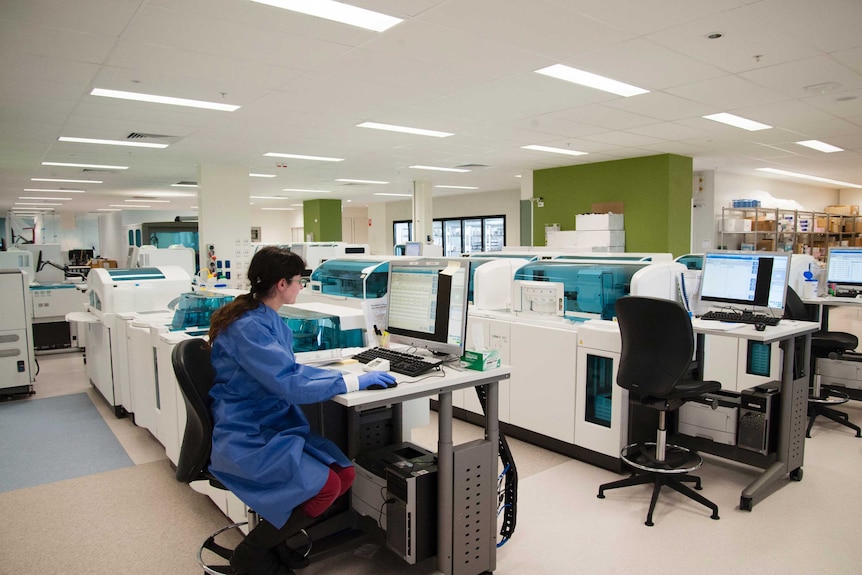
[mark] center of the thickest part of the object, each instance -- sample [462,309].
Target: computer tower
[411,510]
[757,418]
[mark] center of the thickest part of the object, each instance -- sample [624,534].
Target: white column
[423,217]
[224,220]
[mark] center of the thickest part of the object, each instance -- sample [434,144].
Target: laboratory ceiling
[464,67]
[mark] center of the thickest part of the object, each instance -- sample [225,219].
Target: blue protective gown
[263,449]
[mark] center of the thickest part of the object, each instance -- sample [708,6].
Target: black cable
[510,490]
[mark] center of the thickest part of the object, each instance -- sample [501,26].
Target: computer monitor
[844,266]
[747,279]
[413,249]
[428,304]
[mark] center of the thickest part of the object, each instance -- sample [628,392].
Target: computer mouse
[381,386]
[760,326]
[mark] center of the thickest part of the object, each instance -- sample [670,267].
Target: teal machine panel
[589,288]
[360,279]
[314,331]
[196,308]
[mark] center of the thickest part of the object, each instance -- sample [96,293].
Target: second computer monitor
[844,266]
[428,304]
[747,279]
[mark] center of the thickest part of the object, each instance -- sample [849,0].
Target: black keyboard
[741,317]
[399,362]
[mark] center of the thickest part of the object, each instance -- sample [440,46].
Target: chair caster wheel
[796,474]
[745,503]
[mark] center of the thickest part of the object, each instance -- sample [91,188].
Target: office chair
[657,349]
[195,375]
[831,344]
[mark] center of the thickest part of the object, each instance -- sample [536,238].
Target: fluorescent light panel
[163,100]
[125,206]
[108,209]
[438,169]
[269,198]
[111,142]
[168,195]
[808,177]
[94,166]
[554,150]
[360,181]
[404,129]
[307,191]
[303,157]
[590,80]
[65,181]
[459,187]
[737,122]
[392,194]
[262,175]
[337,12]
[820,146]
[43,198]
[184,185]
[54,191]
[35,204]
[279,209]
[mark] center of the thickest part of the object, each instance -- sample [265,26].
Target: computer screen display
[413,249]
[747,279]
[428,304]
[844,266]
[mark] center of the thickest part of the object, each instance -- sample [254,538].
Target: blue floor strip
[52,439]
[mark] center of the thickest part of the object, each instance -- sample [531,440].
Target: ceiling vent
[143,136]
[472,166]
[186,183]
[98,170]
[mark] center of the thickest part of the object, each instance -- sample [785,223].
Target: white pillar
[224,220]
[423,216]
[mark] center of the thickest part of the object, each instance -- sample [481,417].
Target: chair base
[820,406]
[660,473]
[225,553]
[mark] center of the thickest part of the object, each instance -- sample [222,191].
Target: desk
[425,386]
[794,403]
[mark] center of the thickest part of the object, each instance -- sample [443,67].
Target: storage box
[843,210]
[762,225]
[697,418]
[599,222]
[736,225]
[103,263]
[481,359]
[853,227]
[600,238]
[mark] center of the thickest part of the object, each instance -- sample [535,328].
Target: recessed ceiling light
[111,142]
[303,157]
[808,177]
[820,146]
[517,175]
[124,206]
[307,191]
[296,205]
[396,195]
[279,209]
[150,201]
[360,181]
[262,175]
[184,185]
[66,181]
[404,129]
[108,209]
[53,191]
[554,150]
[269,197]
[43,198]
[438,169]
[167,195]
[35,204]
[459,187]
[163,100]
[737,121]
[591,80]
[93,166]
[337,12]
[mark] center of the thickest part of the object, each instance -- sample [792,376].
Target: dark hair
[269,265]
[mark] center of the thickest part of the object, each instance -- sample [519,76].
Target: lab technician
[263,449]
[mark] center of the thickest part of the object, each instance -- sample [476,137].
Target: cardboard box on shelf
[843,210]
[853,226]
[765,245]
[857,242]
[102,263]
[763,225]
[735,225]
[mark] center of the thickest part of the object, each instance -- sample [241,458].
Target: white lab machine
[51,303]
[16,343]
[110,292]
[17,259]
[42,254]
[538,297]
[491,281]
[176,255]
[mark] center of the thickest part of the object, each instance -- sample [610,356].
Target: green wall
[322,218]
[655,190]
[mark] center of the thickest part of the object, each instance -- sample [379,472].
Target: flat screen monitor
[844,266]
[428,304]
[413,249]
[746,279]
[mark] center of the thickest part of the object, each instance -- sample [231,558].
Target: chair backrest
[794,307]
[195,375]
[657,345]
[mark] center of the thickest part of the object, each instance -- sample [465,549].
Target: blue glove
[376,380]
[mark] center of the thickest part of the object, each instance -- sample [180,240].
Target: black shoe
[248,560]
[291,557]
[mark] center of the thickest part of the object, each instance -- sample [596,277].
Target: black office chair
[657,349]
[831,344]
